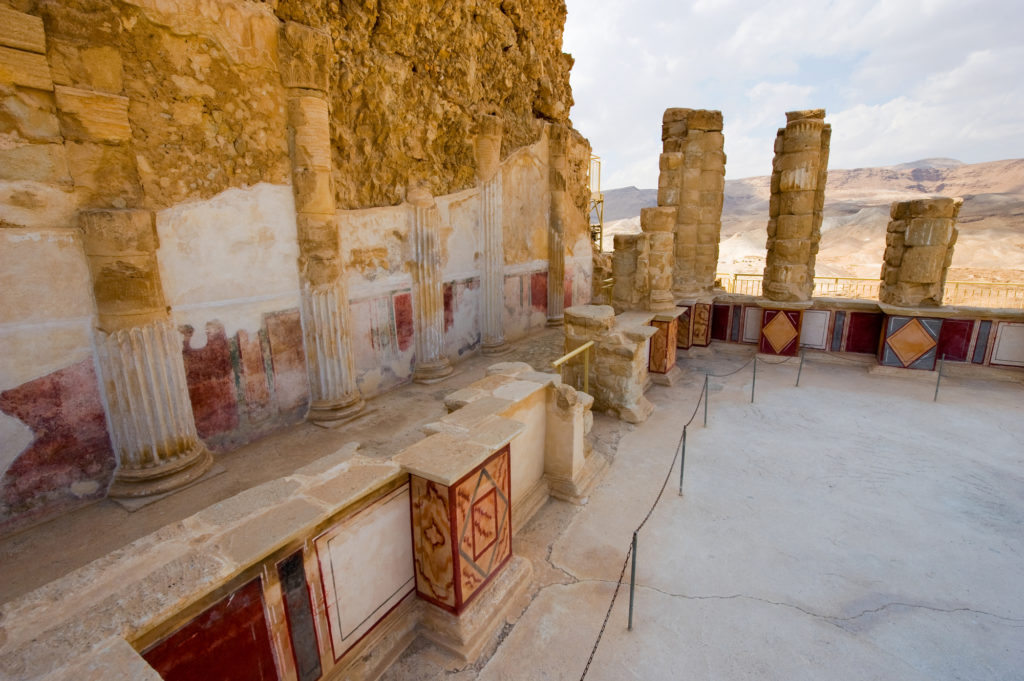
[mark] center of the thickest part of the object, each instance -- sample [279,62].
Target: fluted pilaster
[558,172]
[428,288]
[487,145]
[148,410]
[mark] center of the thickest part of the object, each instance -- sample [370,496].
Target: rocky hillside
[990,247]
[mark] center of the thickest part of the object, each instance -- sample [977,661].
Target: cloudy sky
[900,80]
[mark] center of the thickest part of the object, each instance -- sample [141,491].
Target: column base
[495,348]
[331,413]
[432,372]
[555,321]
[173,475]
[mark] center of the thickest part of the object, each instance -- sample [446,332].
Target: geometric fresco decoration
[780,332]
[911,342]
[462,534]
[700,325]
[814,331]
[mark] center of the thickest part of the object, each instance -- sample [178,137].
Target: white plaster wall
[46,315]
[34,204]
[375,249]
[526,204]
[527,449]
[461,240]
[231,258]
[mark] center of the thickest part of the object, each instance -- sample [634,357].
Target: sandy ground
[849,528]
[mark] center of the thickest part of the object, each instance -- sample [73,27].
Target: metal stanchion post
[801,369]
[938,380]
[682,462]
[632,583]
[753,383]
[706,397]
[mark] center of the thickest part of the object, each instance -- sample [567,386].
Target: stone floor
[850,528]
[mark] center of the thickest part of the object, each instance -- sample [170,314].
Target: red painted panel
[404,324]
[955,339]
[720,322]
[211,381]
[71,445]
[288,356]
[254,375]
[449,307]
[567,291]
[228,642]
[865,332]
[539,291]
[790,349]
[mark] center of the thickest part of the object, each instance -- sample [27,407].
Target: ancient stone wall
[918,251]
[198,116]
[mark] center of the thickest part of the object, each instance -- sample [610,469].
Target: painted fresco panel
[981,343]
[229,641]
[700,332]
[751,324]
[1009,345]
[432,542]
[814,329]
[837,331]
[663,346]
[865,332]
[483,523]
[780,332]
[910,342]
[955,339]
[299,615]
[720,316]
[683,332]
[366,566]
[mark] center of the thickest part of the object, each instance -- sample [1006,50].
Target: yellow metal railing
[586,362]
[596,209]
[971,293]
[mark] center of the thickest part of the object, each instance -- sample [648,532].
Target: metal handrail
[586,362]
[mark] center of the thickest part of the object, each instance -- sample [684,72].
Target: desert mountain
[990,246]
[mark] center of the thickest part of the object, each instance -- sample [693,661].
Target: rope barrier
[629,552]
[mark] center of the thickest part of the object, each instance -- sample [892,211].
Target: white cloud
[900,80]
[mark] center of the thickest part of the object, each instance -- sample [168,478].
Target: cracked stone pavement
[850,529]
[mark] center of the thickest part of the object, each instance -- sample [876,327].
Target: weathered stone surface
[919,250]
[21,31]
[92,116]
[305,57]
[28,69]
[118,232]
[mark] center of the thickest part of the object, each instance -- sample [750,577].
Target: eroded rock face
[406,81]
[409,77]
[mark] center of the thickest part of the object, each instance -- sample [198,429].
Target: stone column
[558,163]
[149,413]
[304,57]
[918,251]
[799,173]
[657,223]
[693,179]
[631,271]
[488,171]
[427,287]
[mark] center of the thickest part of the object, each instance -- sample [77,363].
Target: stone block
[31,114]
[670,161]
[27,69]
[796,203]
[658,219]
[674,114]
[87,116]
[318,270]
[318,234]
[309,120]
[794,226]
[314,190]
[21,31]
[673,130]
[45,163]
[127,285]
[304,57]
[668,196]
[593,317]
[713,160]
[712,181]
[922,264]
[792,116]
[694,158]
[704,119]
[793,250]
[104,174]
[929,232]
[118,232]
[935,208]
[689,214]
